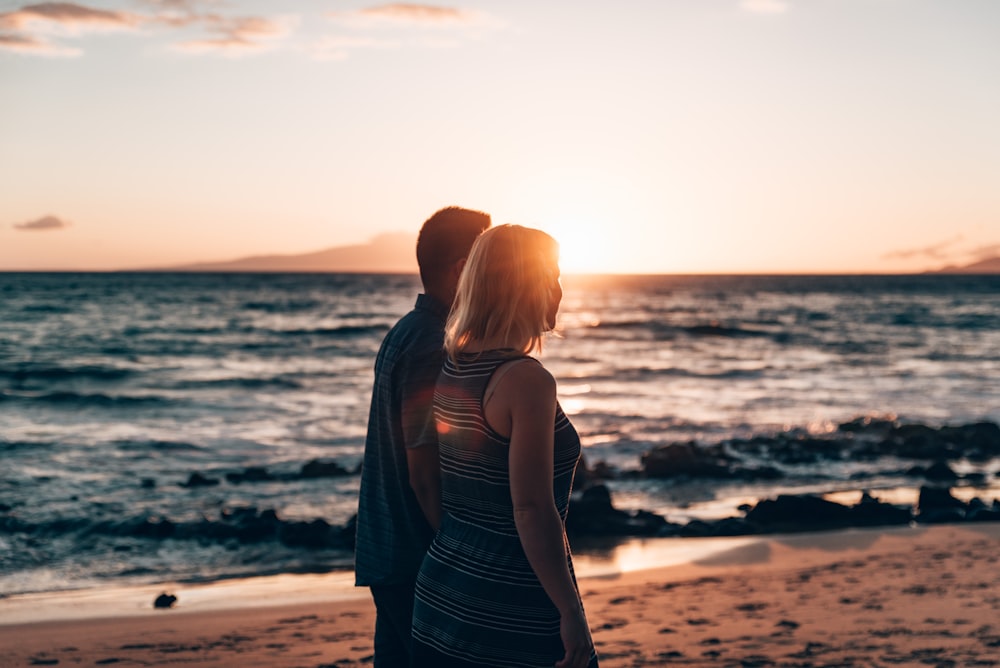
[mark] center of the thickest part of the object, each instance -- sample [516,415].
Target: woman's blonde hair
[505,291]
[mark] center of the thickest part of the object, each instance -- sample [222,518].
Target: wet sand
[890,597]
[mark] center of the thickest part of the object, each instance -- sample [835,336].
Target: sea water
[116,388]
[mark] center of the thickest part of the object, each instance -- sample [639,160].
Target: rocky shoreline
[926,456]
[934,461]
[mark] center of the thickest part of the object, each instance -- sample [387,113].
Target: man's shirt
[393,533]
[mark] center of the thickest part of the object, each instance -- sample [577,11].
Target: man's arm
[425,479]
[420,431]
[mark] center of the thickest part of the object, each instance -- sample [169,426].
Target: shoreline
[846,597]
[602,559]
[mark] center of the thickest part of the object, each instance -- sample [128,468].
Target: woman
[497,587]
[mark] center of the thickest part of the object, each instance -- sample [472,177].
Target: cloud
[211,27]
[765,6]
[416,25]
[31,45]
[411,13]
[24,30]
[43,223]
[66,16]
[236,35]
[339,47]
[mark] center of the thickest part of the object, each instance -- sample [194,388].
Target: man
[399,505]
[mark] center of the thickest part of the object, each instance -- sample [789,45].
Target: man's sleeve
[417,406]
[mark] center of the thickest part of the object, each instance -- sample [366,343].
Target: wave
[645,374]
[45,308]
[282,306]
[159,446]
[81,399]
[241,383]
[24,372]
[343,330]
[664,331]
[14,446]
[242,524]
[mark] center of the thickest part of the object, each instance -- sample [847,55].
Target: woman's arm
[529,397]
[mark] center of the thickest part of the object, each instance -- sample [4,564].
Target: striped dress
[478,601]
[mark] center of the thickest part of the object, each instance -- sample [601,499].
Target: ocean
[193,427]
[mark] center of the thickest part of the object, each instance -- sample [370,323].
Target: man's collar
[434,305]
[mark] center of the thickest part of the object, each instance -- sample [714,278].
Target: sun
[585,245]
[584,209]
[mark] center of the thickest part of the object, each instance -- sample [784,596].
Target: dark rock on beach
[806,512]
[799,513]
[937,505]
[592,513]
[164,601]
[870,512]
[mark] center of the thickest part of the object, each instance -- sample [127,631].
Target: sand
[890,597]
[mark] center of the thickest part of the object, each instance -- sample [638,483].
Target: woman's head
[509,291]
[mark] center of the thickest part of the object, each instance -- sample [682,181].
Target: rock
[164,601]
[592,513]
[940,471]
[247,525]
[685,459]
[936,505]
[867,425]
[799,513]
[318,469]
[938,498]
[315,534]
[941,516]
[978,511]
[198,480]
[251,474]
[918,441]
[873,512]
[599,471]
[349,532]
[729,526]
[979,441]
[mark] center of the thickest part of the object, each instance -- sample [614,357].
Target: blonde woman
[497,586]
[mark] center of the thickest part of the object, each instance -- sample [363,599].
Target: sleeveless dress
[478,601]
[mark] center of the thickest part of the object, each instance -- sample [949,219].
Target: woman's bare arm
[528,395]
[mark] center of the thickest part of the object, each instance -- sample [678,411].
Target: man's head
[443,245]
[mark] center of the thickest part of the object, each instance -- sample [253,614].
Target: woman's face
[555,297]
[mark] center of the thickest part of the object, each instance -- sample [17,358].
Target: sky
[648,136]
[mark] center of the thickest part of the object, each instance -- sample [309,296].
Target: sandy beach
[890,597]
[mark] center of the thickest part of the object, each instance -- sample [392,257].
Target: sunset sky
[663,136]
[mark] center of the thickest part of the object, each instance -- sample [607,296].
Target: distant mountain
[987,266]
[394,252]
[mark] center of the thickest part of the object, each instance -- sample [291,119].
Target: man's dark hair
[445,238]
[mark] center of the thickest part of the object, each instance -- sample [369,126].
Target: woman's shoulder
[526,374]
